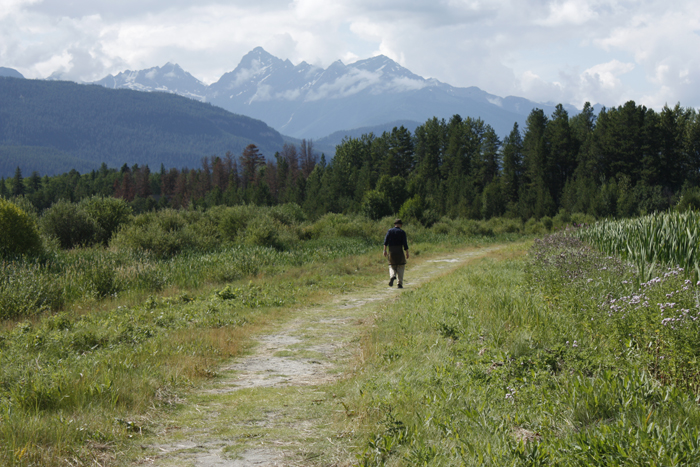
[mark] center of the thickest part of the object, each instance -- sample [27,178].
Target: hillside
[54,126]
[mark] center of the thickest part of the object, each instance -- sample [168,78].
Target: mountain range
[306,101]
[54,126]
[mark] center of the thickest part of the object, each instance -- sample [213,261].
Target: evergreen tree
[399,160]
[692,148]
[251,161]
[535,199]
[512,165]
[561,153]
[18,183]
[34,182]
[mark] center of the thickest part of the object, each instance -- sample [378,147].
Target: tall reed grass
[650,242]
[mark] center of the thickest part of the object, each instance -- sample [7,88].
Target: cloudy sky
[571,51]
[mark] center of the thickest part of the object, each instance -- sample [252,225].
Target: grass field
[100,340]
[550,354]
[544,357]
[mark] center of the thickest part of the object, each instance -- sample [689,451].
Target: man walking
[397,243]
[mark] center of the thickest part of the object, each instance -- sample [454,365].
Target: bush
[18,232]
[234,220]
[579,218]
[151,238]
[547,223]
[168,232]
[535,227]
[500,225]
[375,205]
[109,213]
[690,201]
[412,209]
[70,224]
[263,231]
[288,214]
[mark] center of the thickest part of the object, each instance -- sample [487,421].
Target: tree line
[625,161]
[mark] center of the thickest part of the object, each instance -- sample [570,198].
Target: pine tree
[535,199]
[512,165]
[561,153]
[18,183]
[251,160]
[34,182]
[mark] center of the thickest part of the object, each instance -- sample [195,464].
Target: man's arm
[405,245]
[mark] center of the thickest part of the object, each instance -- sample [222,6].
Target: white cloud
[532,48]
[607,74]
[568,12]
[407,84]
[348,84]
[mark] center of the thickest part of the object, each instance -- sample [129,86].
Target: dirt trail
[271,407]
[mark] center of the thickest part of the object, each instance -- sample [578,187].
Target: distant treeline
[625,161]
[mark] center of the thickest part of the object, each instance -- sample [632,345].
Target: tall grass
[188,250]
[80,374]
[650,242]
[519,361]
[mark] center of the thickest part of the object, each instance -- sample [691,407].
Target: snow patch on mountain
[307,101]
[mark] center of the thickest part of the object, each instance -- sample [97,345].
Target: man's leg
[399,272]
[392,275]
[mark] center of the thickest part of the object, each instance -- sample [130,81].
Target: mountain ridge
[306,101]
[55,126]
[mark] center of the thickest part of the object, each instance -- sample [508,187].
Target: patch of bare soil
[270,407]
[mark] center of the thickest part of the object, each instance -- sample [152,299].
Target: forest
[625,161]
[56,126]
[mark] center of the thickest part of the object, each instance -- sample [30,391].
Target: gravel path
[271,406]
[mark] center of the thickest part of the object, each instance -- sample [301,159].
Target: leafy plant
[18,232]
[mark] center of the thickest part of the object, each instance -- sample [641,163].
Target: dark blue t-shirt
[396,237]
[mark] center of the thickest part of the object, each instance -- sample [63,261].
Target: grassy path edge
[274,405]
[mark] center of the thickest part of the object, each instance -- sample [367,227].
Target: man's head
[398,223]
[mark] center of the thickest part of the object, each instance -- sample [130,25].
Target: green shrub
[71,225]
[412,209]
[234,221]
[26,205]
[263,231]
[168,220]
[375,205]
[501,225]
[562,219]
[288,214]
[547,223]
[534,227]
[690,201]
[168,232]
[442,227]
[109,213]
[18,232]
[579,218]
[151,238]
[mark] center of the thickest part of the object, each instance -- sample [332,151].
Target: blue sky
[569,51]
